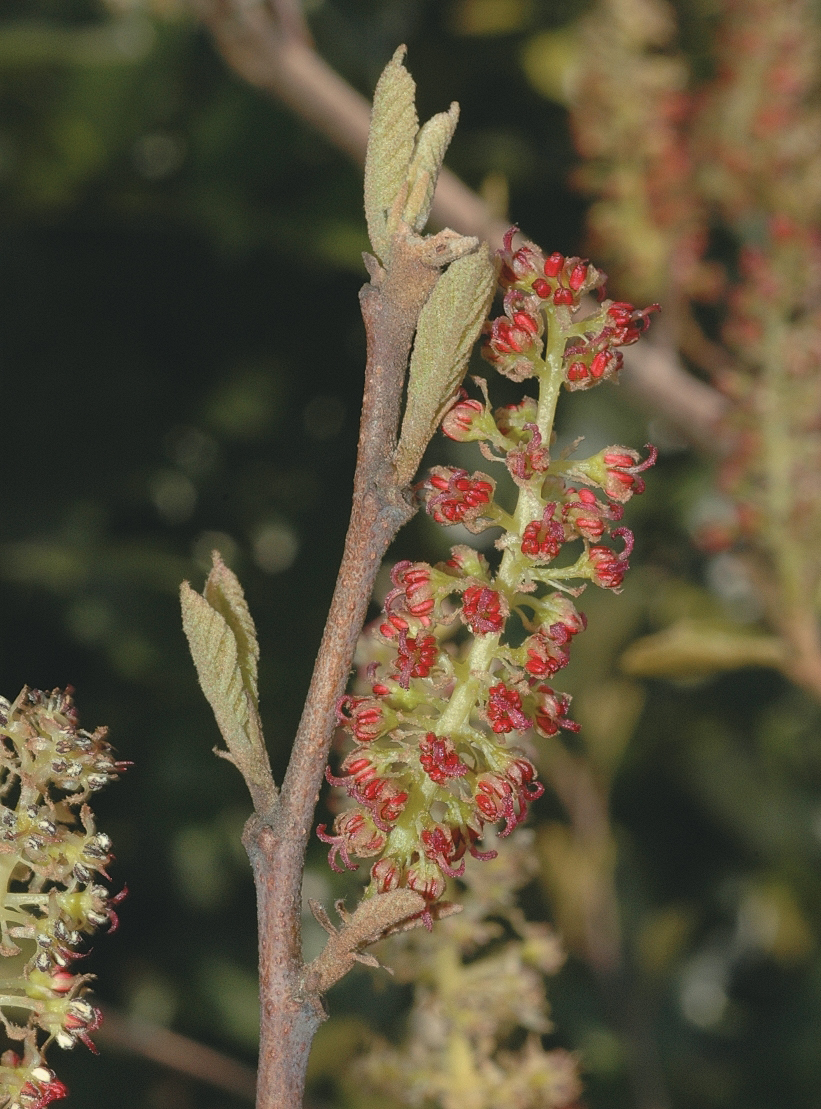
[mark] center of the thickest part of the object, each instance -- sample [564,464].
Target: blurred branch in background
[670,168]
[268,43]
[178,1053]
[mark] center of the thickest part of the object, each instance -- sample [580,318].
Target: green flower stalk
[50,858]
[433,765]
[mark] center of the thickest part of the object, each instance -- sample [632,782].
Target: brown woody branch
[291,994]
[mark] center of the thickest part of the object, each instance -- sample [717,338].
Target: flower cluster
[50,858]
[630,107]
[468,650]
[479,988]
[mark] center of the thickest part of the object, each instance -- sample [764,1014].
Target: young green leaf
[428,155]
[223,644]
[449,325]
[394,125]
[224,593]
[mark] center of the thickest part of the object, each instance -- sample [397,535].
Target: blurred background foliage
[182,360]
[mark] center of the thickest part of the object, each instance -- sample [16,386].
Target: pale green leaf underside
[394,125]
[214,651]
[449,325]
[224,593]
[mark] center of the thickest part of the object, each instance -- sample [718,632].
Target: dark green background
[182,360]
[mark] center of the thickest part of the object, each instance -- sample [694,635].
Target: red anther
[577,371]
[600,363]
[551,711]
[563,296]
[525,320]
[386,875]
[541,288]
[553,264]
[578,276]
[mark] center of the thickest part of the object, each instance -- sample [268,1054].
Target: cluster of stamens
[50,859]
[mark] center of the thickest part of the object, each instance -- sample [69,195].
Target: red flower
[518,265]
[551,711]
[427,882]
[623,468]
[529,457]
[546,649]
[628,324]
[412,598]
[355,833]
[41,1089]
[497,796]
[504,710]
[363,717]
[483,610]
[543,538]
[386,875]
[458,498]
[415,657]
[587,516]
[439,759]
[445,846]
[461,422]
[609,567]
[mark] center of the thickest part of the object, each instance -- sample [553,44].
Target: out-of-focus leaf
[551,62]
[694,649]
[491,17]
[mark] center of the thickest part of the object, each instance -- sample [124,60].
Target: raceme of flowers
[51,857]
[436,758]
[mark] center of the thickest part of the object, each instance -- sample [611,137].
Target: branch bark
[291,994]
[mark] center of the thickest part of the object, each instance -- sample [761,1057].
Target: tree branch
[290,995]
[179,1053]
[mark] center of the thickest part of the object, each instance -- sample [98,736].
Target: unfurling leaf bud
[223,643]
